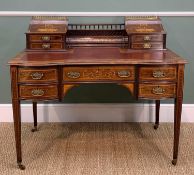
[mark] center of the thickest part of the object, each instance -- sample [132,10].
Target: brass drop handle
[37,75]
[158,90]
[46,46]
[147,46]
[37,92]
[73,75]
[124,74]
[46,38]
[159,74]
[147,38]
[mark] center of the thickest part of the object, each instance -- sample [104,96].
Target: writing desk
[147,74]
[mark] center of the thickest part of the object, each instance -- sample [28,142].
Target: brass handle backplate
[147,38]
[46,38]
[37,92]
[158,90]
[37,75]
[73,75]
[147,45]
[124,74]
[158,74]
[46,46]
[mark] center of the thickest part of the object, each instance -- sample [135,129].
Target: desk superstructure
[59,56]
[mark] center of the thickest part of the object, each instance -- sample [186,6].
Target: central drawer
[98,73]
[38,91]
[37,75]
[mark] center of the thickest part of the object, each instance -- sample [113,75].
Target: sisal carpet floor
[97,149]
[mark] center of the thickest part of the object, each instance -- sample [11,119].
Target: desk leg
[177,122]
[17,128]
[177,112]
[34,103]
[157,114]
[16,114]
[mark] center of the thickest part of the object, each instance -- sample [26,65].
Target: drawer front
[158,73]
[157,91]
[46,46]
[46,38]
[146,38]
[38,91]
[148,45]
[100,73]
[26,75]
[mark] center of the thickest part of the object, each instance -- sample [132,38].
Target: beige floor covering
[97,149]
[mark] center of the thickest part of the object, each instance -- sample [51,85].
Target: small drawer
[38,91]
[98,73]
[146,38]
[147,45]
[158,73]
[157,91]
[46,46]
[46,38]
[34,75]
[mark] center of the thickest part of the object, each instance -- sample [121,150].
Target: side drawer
[146,38]
[157,91]
[35,75]
[98,73]
[38,91]
[46,46]
[158,73]
[149,45]
[45,38]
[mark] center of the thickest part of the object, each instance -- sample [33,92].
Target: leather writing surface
[94,56]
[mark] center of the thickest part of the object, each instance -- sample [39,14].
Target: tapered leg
[177,112]
[157,114]
[177,122]
[16,115]
[17,128]
[35,116]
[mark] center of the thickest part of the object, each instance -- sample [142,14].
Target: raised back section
[55,34]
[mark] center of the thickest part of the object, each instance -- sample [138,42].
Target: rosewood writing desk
[48,73]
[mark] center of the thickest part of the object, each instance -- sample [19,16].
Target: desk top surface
[96,56]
